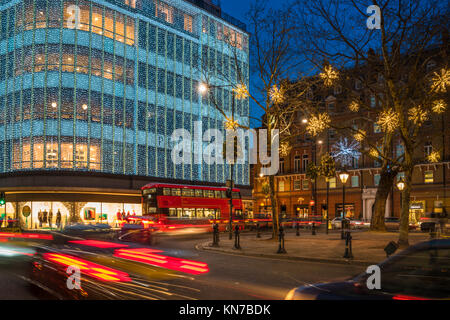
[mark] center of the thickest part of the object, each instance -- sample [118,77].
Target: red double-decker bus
[185,204]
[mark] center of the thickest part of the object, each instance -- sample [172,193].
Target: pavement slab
[367,247]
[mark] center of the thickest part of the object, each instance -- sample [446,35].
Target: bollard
[297,229]
[313,229]
[215,235]
[348,246]
[258,234]
[236,238]
[281,248]
[343,226]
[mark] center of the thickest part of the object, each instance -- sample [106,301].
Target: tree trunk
[384,188]
[274,202]
[404,217]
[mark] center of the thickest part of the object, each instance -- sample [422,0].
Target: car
[336,223]
[420,272]
[393,223]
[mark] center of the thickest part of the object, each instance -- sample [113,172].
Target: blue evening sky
[238,10]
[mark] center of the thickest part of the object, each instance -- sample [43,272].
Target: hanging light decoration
[388,120]
[441,81]
[434,156]
[439,106]
[285,148]
[329,75]
[241,91]
[418,115]
[360,135]
[276,94]
[318,123]
[353,106]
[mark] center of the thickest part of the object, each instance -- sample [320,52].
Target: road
[231,277]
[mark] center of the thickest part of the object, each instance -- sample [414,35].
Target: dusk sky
[238,10]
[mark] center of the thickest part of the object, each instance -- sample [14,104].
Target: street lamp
[401,186]
[344,177]
[203,89]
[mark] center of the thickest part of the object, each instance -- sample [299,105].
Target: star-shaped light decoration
[434,156]
[344,151]
[360,135]
[439,106]
[374,152]
[231,124]
[418,115]
[329,75]
[276,94]
[285,148]
[441,81]
[240,91]
[318,123]
[388,120]
[353,106]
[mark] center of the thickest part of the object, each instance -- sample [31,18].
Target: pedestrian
[58,218]
[40,218]
[50,218]
[44,216]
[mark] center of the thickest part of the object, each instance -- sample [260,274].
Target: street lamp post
[203,89]
[343,176]
[230,236]
[401,186]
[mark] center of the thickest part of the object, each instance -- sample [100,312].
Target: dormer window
[338,89]
[431,65]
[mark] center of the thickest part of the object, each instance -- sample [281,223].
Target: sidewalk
[368,247]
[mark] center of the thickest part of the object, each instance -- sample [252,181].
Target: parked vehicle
[418,273]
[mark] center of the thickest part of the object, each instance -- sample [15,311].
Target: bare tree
[391,64]
[273,75]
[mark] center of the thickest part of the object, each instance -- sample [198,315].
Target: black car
[420,272]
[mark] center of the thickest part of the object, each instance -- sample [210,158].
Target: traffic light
[2,198]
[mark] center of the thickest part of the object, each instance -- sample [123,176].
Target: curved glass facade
[107,94]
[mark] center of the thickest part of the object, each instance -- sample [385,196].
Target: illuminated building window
[376,128]
[163,11]
[131,3]
[355,181]
[297,185]
[332,183]
[188,23]
[428,177]
[305,184]
[376,179]
[281,186]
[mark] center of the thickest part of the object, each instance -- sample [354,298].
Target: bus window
[179,212]
[223,194]
[176,192]
[199,193]
[217,194]
[187,192]
[149,191]
[199,212]
[217,214]
[189,213]
[166,192]
[236,195]
[172,212]
[210,193]
[208,213]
